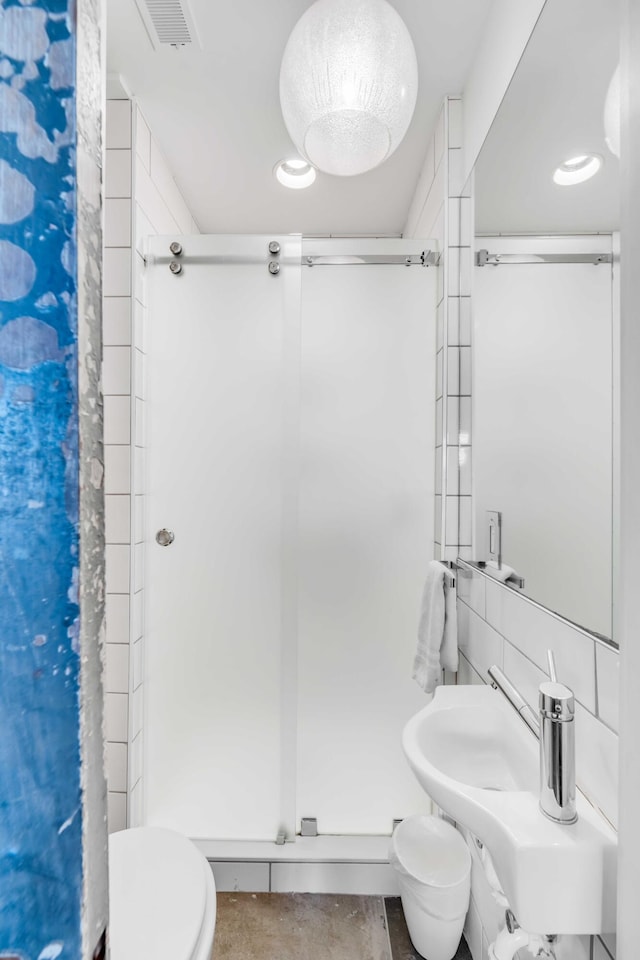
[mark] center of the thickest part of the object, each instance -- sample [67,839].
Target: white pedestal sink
[478,761]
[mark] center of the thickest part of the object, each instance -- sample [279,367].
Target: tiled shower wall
[496,625]
[141,198]
[442,208]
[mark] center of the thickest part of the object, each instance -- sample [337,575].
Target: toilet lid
[157,895]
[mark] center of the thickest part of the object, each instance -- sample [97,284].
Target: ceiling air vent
[169,23]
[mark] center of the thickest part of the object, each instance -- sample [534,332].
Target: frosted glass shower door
[216,453]
[367,441]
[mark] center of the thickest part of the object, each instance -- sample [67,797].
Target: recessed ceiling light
[296,174]
[577,169]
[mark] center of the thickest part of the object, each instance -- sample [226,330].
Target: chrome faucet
[557,749]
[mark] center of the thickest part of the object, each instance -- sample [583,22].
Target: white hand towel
[437,634]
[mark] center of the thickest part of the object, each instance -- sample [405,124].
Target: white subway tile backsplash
[494,592]
[117,668]
[524,675]
[117,174]
[471,587]
[607,671]
[453,421]
[118,124]
[116,370]
[116,762]
[534,631]
[597,763]
[117,223]
[117,419]
[117,469]
[465,371]
[116,321]
[116,272]
[116,717]
[464,466]
[452,521]
[464,520]
[117,518]
[481,645]
[439,371]
[464,434]
[465,322]
[453,371]
[460,215]
[117,565]
[466,673]
[117,618]
[453,477]
[438,520]
[116,811]
[459,270]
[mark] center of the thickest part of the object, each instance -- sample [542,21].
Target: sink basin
[479,763]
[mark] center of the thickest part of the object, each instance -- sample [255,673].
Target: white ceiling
[553,110]
[215,114]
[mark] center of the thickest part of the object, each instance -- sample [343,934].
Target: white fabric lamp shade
[348,84]
[612,115]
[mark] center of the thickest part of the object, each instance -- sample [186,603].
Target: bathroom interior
[403,387]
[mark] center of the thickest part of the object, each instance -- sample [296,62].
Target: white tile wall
[141,198]
[495,621]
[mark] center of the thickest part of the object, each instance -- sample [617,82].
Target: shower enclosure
[290,454]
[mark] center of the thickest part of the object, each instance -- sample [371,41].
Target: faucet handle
[556,699]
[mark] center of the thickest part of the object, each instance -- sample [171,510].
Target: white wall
[141,198]
[499,626]
[442,208]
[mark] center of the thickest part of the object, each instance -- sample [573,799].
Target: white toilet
[162,897]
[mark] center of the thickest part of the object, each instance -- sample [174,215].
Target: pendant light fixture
[348,84]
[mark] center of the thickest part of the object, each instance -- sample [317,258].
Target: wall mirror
[545,317]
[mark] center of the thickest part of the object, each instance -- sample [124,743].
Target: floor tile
[296,926]
[401,946]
